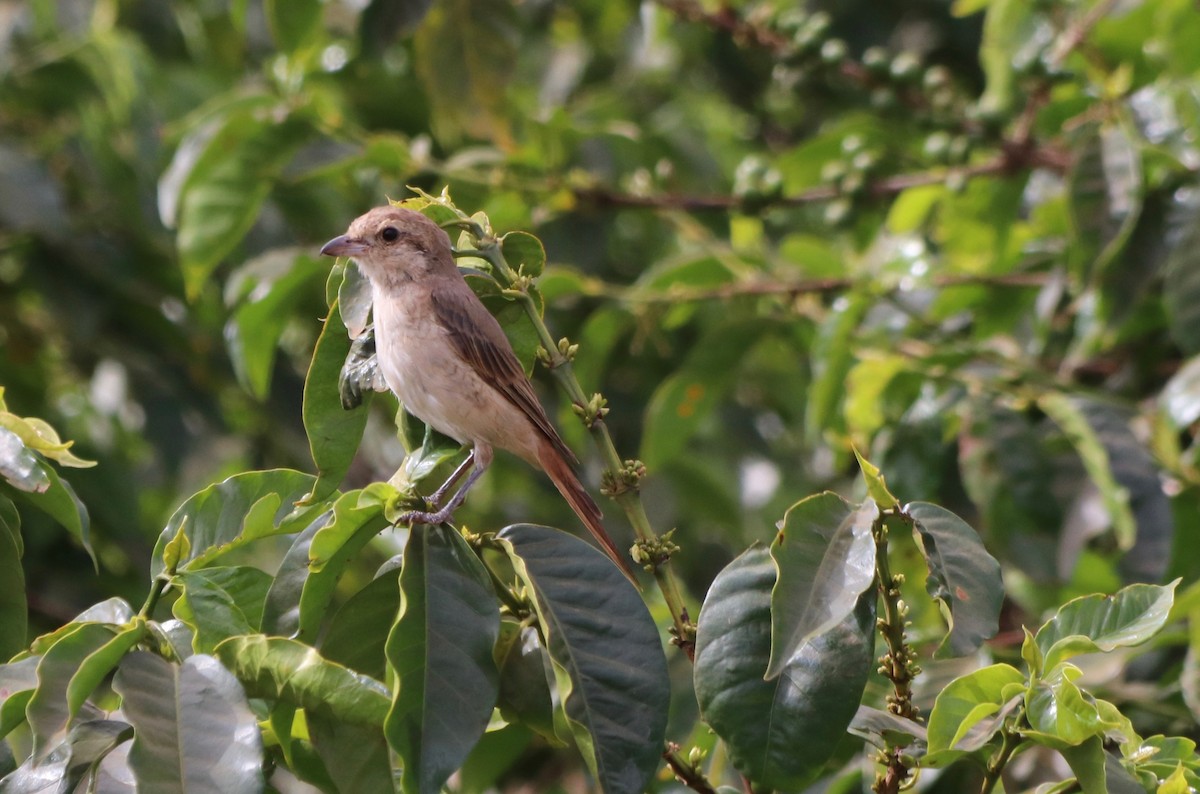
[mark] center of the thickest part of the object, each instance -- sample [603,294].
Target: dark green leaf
[235,512]
[884,729]
[780,733]
[195,733]
[59,501]
[18,681]
[832,358]
[276,668]
[441,651]
[609,669]
[281,607]
[525,676]
[1105,186]
[1102,623]
[333,432]
[962,575]
[825,556]
[1087,762]
[358,631]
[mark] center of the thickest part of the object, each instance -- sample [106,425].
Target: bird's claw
[423,517]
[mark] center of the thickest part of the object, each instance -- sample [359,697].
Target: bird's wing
[479,339]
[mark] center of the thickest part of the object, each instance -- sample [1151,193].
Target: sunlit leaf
[958,720]
[1102,623]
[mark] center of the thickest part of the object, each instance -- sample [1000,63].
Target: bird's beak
[344,246]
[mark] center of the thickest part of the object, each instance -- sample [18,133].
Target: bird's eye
[390,234]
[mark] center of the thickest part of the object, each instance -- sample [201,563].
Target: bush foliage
[878,323]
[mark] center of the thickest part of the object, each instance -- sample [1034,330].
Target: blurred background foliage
[964,236]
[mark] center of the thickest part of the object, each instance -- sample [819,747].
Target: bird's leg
[437,496]
[481,457]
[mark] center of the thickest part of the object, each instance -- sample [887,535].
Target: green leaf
[884,729]
[441,650]
[1181,286]
[524,253]
[1102,623]
[281,607]
[14,612]
[609,669]
[236,511]
[358,516]
[1180,397]
[912,208]
[1060,714]
[266,289]
[18,682]
[358,631]
[218,603]
[355,756]
[1087,762]
[825,556]
[780,733]
[240,158]
[1069,415]
[72,764]
[961,709]
[294,23]
[962,576]
[58,500]
[465,53]
[1004,29]
[333,432]
[195,732]
[19,465]
[876,484]
[39,436]
[285,670]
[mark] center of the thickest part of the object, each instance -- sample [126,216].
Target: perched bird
[444,355]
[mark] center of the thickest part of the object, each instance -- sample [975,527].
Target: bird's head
[393,245]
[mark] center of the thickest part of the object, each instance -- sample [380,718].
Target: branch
[1075,35]
[687,774]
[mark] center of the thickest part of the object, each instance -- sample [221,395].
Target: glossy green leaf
[358,516]
[114,611]
[825,556]
[218,603]
[194,730]
[1087,762]
[72,764]
[280,669]
[1102,623]
[226,186]
[269,286]
[1069,415]
[333,432]
[441,651]
[359,629]
[294,23]
[14,614]
[465,54]
[884,729]
[963,706]
[962,576]
[236,511]
[68,672]
[1003,27]
[610,673]
[40,436]
[780,733]
[876,483]
[19,465]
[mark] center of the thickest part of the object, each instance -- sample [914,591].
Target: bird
[446,358]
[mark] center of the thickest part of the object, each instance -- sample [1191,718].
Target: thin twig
[685,773]
[1075,35]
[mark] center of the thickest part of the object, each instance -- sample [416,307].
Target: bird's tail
[568,484]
